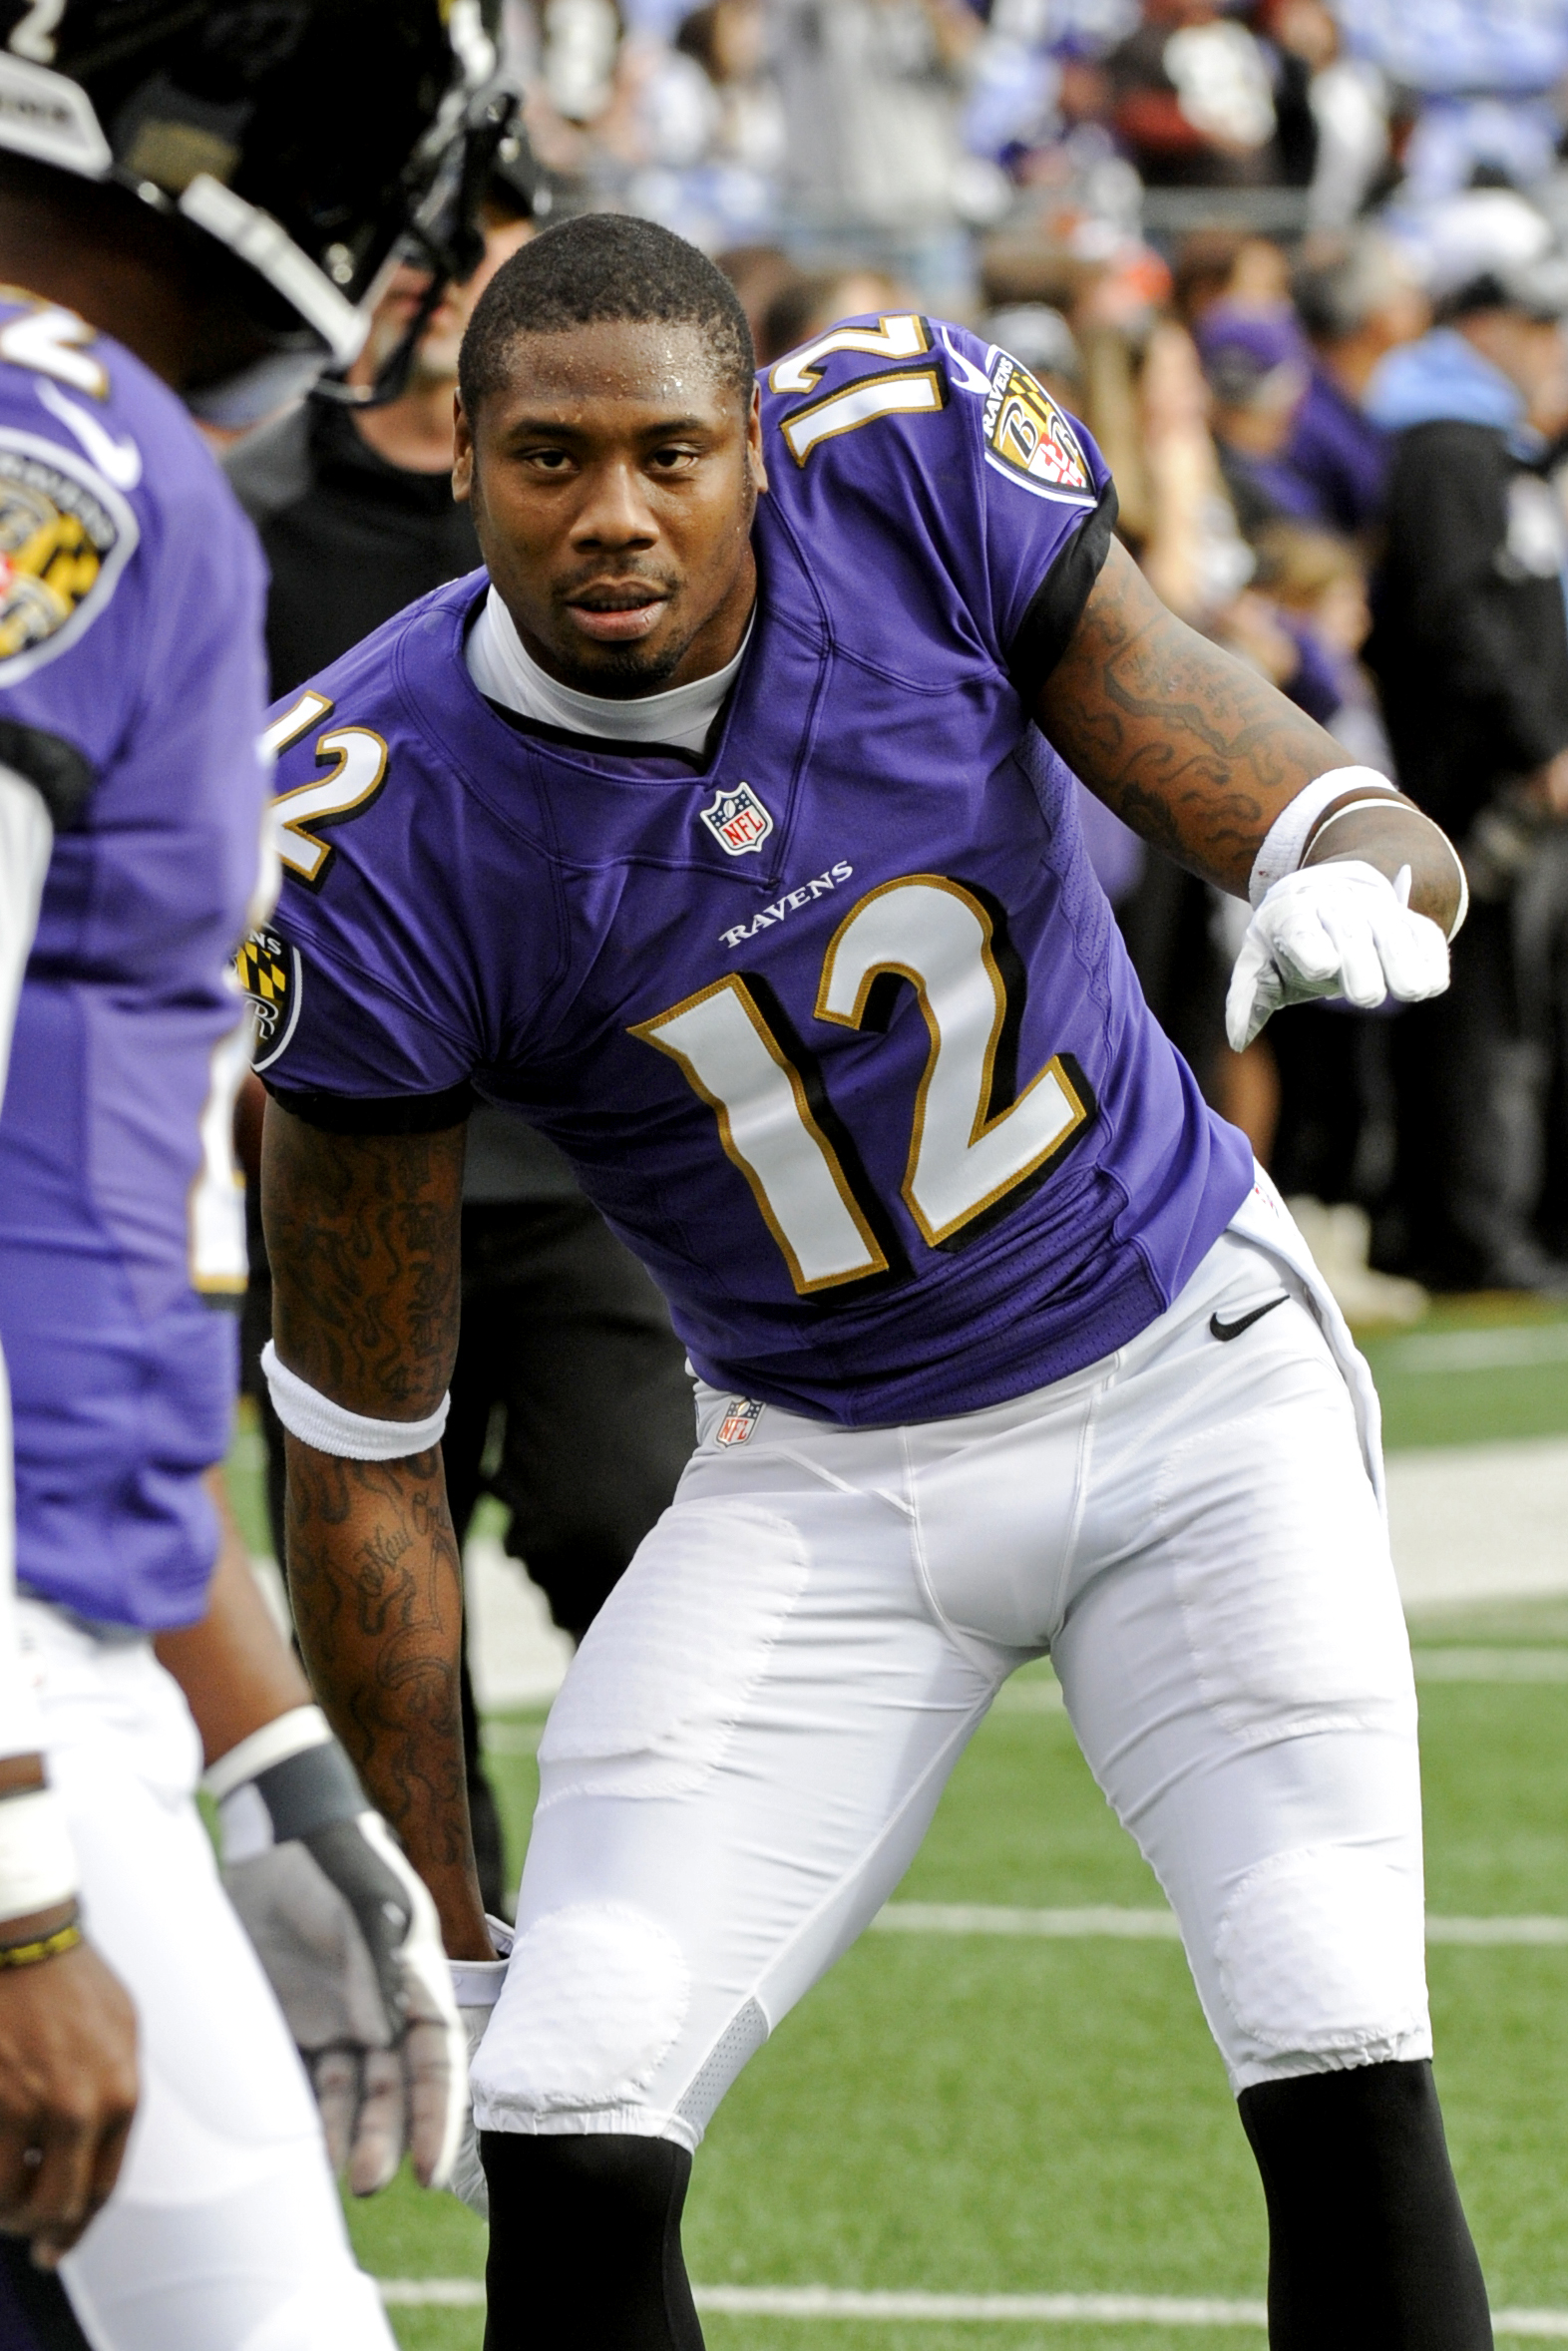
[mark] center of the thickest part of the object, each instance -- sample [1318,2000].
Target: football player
[188,215]
[727,829]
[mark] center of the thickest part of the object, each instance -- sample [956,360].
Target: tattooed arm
[1200,754]
[363,1236]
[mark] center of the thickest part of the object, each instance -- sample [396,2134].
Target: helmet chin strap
[446,242]
[390,381]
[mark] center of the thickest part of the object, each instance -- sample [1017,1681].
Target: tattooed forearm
[362,1231]
[363,1237]
[1189,746]
[376,1583]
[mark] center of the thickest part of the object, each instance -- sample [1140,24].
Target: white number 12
[966,1157]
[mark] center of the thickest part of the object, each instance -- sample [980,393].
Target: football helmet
[310,139]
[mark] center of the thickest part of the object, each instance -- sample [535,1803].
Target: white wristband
[476,1983]
[37,1859]
[1285,841]
[287,1735]
[332,1428]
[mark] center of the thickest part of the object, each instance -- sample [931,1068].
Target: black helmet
[310,138]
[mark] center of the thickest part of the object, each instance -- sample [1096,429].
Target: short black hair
[603,265]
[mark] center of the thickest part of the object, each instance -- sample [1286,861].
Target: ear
[759,470]
[462,452]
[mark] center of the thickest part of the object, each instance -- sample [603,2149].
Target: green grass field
[970,2114]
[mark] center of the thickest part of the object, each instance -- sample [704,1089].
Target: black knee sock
[1368,2247]
[585,2244]
[34,2312]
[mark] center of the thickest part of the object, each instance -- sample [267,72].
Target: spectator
[1300,39]
[727,41]
[1193,100]
[1041,339]
[1256,363]
[564,1340]
[815,301]
[356,506]
[870,92]
[757,273]
[712,129]
[1470,649]
[1318,586]
[1181,524]
[1223,266]
[1356,300]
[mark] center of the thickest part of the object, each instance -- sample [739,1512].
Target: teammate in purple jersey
[191,227]
[725,830]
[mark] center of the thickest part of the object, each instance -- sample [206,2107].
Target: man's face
[435,358]
[613,478]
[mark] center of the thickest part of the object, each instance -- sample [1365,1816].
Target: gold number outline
[290,834]
[989,1108]
[882,1260]
[988,1115]
[933,376]
[808,364]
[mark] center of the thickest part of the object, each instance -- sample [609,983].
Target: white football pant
[753,1736]
[225,2231]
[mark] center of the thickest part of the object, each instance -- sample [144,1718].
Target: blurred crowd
[1296,265]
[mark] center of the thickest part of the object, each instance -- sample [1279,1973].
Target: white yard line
[1490,1664]
[980,2309]
[1514,1347]
[455,2293]
[1481,1522]
[1007,2309]
[1151,1925]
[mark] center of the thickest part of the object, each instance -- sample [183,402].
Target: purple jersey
[131,601]
[833,1021]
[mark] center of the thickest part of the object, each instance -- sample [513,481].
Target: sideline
[980,2309]
[986,1918]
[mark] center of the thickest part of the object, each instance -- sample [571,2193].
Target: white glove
[1338,929]
[476,1986]
[348,1936]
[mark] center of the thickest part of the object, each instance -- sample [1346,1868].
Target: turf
[1457,1407]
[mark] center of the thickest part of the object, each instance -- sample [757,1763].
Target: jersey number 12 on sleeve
[974,1141]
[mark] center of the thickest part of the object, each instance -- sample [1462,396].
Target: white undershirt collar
[506,672]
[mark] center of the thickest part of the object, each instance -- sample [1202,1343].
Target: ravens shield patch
[270,973]
[64,537]
[1028,435]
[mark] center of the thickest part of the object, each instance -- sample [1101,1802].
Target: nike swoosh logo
[119,460]
[1246,1321]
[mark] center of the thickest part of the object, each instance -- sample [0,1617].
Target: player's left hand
[1340,929]
[349,1938]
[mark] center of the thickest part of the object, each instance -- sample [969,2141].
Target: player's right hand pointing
[349,1938]
[68,2087]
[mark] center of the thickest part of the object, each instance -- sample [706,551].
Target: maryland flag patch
[64,537]
[268,969]
[1028,435]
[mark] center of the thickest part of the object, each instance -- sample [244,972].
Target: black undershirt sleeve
[61,774]
[1057,603]
[376,1114]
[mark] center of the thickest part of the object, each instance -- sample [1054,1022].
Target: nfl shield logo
[739,821]
[741,1415]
